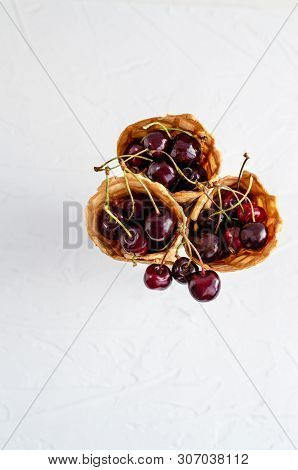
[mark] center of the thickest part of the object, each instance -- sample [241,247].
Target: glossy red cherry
[209,246]
[162,172]
[156,142]
[197,174]
[254,235]
[137,243]
[158,277]
[159,227]
[204,286]
[231,236]
[186,150]
[137,163]
[245,212]
[107,226]
[182,269]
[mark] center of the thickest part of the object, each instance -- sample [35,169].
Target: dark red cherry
[156,142]
[254,235]
[137,163]
[228,200]
[231,236]
[159,227]
[245,212]
[157,276]
[137,243]
[204,286]
[107,226]
[209,246]
[207,219]
[186,150]
[139,209]
[182,269]
[197,174]
[162,172]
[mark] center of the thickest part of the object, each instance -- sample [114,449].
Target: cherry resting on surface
[197,174]
[204,286]
[107,226]
[245,212]
[186,150]
[160,226]
[254,235]
[156,142]
[182,269]
[157,276]
[137,162]
[137,243]
[231,236]
[162,172]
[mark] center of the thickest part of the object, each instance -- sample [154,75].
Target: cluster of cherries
[142,228]
[218,233]
[138,229]
[139,225]
[166,157]
[204,285]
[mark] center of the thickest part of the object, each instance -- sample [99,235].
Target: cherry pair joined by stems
[204,285]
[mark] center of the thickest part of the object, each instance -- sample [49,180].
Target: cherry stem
[220,204]
[157,123]
[199,185]
[192,248]
[126,157]
[246,157]
[248,199]
[166,129]
[117,220]
[129,191]
[240,200]
[145,187]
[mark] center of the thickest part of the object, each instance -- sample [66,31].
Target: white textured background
[150,370]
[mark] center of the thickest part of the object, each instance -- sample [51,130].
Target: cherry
[182,269]
[245,213]
[107,226]
[231,236]
[206,218]
[254,235]
[186,150]
[139,208]
[228,200]
[137,243]
[162,172]
[160,226]
[204,286]
[208,245]
[157,276]
[196,174]
[137,163]
[156,142]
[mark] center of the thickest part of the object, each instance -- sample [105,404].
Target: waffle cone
[245,258]
[210,158]
[118,190]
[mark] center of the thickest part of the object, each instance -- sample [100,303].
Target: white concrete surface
[150,370]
